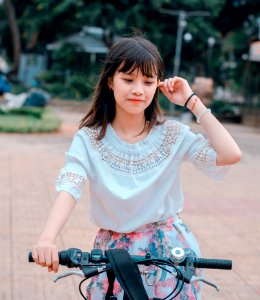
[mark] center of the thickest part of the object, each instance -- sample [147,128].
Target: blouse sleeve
[73,175]
[204,157]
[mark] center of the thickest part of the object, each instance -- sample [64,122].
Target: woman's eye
[128,80]
[149,82]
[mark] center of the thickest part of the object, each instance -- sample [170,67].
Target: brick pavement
[223,215]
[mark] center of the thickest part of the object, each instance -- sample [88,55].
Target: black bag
[125,269]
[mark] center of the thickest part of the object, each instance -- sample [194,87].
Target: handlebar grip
[30,258]
[64,257]
[213,263]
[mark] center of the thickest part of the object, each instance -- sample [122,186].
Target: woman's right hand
[45,254]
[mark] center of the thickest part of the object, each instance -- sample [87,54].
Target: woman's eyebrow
[151,77]
[134,74]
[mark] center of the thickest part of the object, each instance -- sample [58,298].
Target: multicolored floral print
[158,239]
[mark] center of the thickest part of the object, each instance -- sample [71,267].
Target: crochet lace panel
[75,181]
[201,157]
[137,164]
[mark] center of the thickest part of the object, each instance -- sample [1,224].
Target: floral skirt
[158,239]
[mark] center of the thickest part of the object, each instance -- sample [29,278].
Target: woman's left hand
[176,89]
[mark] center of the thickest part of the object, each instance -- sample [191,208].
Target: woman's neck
[129,127]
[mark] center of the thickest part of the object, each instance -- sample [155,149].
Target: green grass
[29,120]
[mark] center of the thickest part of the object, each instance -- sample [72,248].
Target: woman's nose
[138,90]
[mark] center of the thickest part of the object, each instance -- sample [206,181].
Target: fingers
[46,256]
[41,256]
[38,256]
[55,260]
[175,85]
[35,255]
[167,85]
[52,260]
[176,89]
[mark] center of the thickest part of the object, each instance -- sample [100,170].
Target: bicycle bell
[178,254]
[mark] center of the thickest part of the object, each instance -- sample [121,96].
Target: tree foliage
[43,21]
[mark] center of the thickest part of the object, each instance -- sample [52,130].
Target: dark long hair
[127,55]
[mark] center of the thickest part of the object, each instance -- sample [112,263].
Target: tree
[14,33]
[43,21]
[234,14]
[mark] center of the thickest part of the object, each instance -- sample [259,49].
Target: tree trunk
[15,35]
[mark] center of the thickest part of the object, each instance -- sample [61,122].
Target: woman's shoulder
[88,129]
[173,127]
[88,132]
[85,136]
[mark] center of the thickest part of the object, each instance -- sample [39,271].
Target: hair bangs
[140,60]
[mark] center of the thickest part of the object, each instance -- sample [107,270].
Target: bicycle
[97,262]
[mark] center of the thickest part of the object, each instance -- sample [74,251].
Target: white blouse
[134,184]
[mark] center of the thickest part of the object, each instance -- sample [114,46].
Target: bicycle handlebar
[95,262]
[74,257]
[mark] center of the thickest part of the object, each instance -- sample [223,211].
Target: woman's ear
[110,83]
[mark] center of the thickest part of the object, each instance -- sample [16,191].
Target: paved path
[225,216]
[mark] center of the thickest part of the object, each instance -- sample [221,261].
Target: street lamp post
[258,24]
[177,58]
[211,44]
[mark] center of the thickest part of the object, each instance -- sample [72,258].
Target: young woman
[131,158]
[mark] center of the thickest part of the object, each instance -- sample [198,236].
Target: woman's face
[133,92]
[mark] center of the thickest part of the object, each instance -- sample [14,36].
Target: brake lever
[68,273]
[206,282]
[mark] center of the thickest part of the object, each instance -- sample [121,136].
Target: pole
[258,24]
[177,58]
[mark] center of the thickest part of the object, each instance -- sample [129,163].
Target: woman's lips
[136,101]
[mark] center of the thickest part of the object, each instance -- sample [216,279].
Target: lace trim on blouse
[74,180]
[201,158]
[137,165]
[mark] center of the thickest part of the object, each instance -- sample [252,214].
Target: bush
[80,86]
[55,88]
[49,76]
[76,86]
[27,111]
[29,120]
[227,111]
